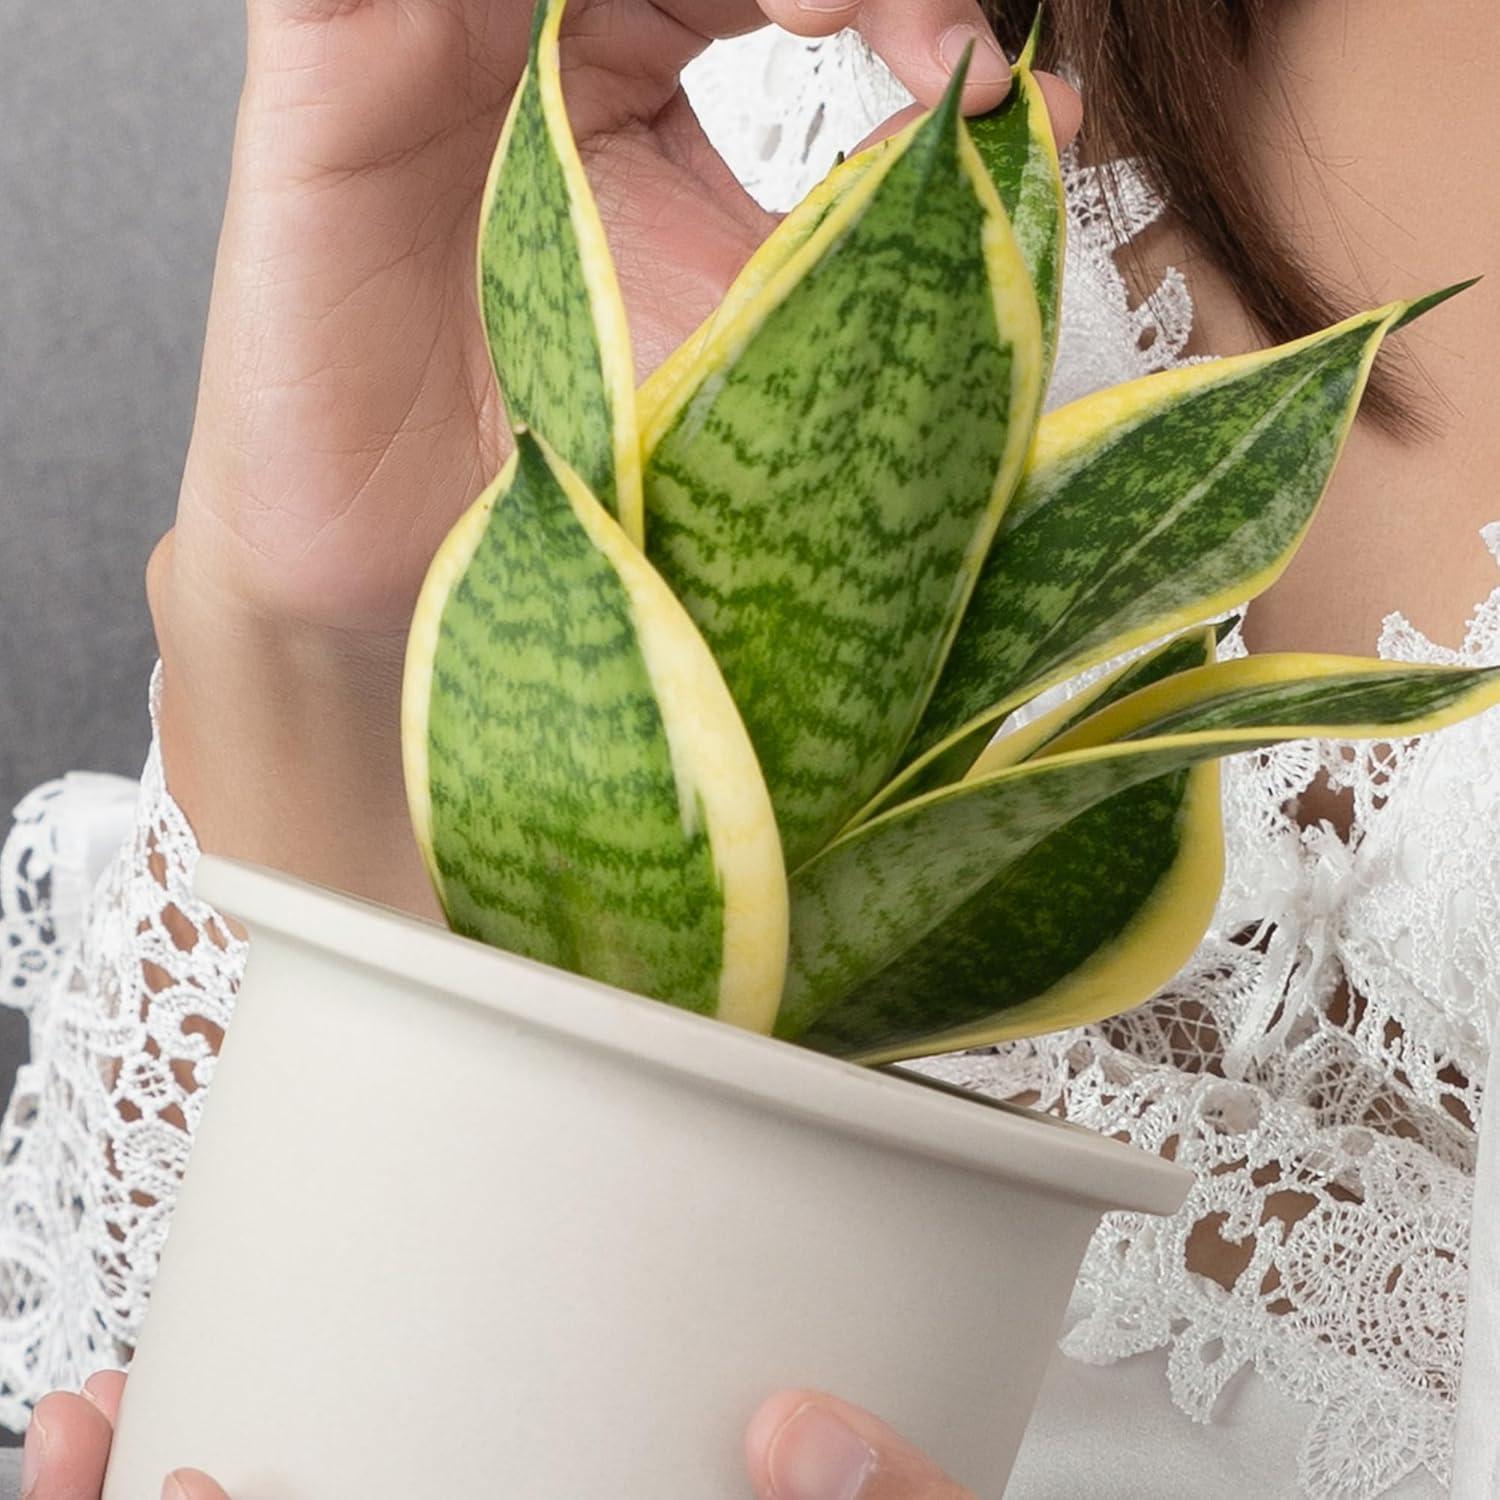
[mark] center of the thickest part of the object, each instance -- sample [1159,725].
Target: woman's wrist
[281,739]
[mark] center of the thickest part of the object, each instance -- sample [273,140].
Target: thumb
[803,1445]
[191,1484]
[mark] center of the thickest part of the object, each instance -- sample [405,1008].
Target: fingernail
[989,64]
[826,7]
[32,1454]
[816,1456]
[172,1488]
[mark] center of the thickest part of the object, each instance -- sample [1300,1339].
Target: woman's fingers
[67,1448]
[1064,105]
[191,1484]
[921,41]
[104,1390]
[803,1445]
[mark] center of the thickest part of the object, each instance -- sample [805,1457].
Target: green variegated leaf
[580,781]
[824,479]
[547,288]
[1093,919]
[789,236]
[1194,648]
[1147,508]
[1018,148]
[877,893]
[967,755]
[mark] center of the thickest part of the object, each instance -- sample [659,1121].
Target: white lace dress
[1318,1064]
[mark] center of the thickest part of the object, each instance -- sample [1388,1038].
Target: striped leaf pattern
[1146,508]
[766,613]
[977,752]
[868,902]
[547,289]
[1194,648]
[591,799]
[825,481]
[662,387]
[1019,150]
[1096,917]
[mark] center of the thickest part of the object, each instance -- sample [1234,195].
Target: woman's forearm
[281,743]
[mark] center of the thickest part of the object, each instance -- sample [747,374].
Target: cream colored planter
[461,1227]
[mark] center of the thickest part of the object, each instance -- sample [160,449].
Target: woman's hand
[67,1447]
[800,1445]
[347,412]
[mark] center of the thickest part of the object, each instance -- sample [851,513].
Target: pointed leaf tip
[1027,59]
[823,522]
[950,107]
[1421,306]
[549,296]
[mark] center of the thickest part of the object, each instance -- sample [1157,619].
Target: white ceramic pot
[458,1227]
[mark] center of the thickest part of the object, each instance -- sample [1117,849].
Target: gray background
[115,123]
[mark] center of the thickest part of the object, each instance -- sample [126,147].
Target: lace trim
[127,1011]
[779,108]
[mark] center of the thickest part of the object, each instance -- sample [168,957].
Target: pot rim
[1001,1141]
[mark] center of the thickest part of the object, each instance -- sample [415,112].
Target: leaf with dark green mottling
[584,790]
[966,754]
[548,292]
[870,901]
[1147,508]
[1017,145]
[1110,905]
[823,484]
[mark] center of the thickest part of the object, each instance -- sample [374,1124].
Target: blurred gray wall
[115,123]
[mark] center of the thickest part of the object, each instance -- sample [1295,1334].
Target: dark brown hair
[1157,79]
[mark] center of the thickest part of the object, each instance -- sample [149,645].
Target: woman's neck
[1375,136]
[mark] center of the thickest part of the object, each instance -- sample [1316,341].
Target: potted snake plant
[701,708]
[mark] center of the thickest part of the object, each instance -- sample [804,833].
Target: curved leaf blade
[1147,508]
[878,892]
[979,753]
[1092,921]
[1182,653]
[582,785]
[823,518]
[660,389]
[551,301]
[1016,143]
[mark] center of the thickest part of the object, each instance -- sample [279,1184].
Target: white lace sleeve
[128,983]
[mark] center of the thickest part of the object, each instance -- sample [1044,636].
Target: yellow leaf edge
[1156,946]
[606,301]
[774,274]
[713,762]
[448,566]
[1121,975]
[1071,431]
[789,236]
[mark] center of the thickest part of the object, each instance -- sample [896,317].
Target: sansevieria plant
[702,693]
